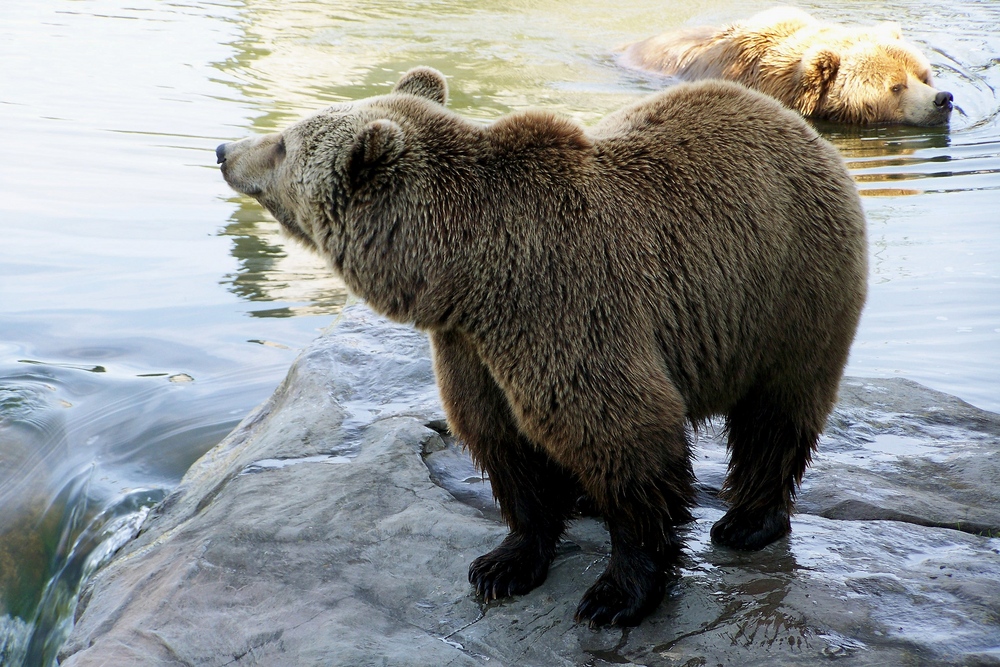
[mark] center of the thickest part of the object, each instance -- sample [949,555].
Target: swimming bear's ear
[817,72]
[424,82]
[890,29]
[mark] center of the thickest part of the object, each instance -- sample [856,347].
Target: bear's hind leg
[536,496]
[769,450]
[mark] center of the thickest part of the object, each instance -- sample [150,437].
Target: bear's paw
[750,531]
[625,593]
[515,567]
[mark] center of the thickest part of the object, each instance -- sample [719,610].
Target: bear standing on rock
[590,294]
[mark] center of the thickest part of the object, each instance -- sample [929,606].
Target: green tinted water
[145,309]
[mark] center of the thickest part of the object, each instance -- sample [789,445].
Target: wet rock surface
[336,524]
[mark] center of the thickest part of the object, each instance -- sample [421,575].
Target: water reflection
[879,158]
[275,270]
[757,609]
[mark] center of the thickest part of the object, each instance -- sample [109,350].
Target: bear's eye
[898,88]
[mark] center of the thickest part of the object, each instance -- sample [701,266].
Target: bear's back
[744,223]
[707,221]
[709,154]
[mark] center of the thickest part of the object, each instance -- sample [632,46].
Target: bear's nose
[220,153]
[943,99]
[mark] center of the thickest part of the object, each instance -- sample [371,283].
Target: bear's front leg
[642,481]
[634,582]
[535,494]
[645,547]
[536,497]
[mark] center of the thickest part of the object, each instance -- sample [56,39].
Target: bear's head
[874,77]
[306,174]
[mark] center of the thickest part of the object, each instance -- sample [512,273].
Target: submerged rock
[336,524]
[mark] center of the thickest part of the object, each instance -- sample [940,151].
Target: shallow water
[145,308]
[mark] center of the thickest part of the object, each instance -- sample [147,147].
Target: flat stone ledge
[350,543]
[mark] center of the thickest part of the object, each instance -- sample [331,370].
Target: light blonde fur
[849,74]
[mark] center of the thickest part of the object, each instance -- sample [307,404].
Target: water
[145,309]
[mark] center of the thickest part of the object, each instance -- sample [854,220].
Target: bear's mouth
[939,117]
[251,191]
[222,159]
[941,114]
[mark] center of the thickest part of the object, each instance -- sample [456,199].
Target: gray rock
[336,524]
[898,451]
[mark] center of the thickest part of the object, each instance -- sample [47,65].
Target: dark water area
[145,309]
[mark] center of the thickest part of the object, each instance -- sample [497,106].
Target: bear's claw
[611,602]
[515,567]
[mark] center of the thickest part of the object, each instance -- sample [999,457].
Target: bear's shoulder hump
[537,129]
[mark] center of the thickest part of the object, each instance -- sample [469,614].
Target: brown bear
[590,294]
[847,74]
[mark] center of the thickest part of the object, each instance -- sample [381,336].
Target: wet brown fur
[849,74]
[589,294]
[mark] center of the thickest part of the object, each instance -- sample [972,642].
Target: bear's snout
[220,153]
[943,100]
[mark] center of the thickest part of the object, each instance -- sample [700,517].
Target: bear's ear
[890,30]
[424,82]
[380,143]
[819,69]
